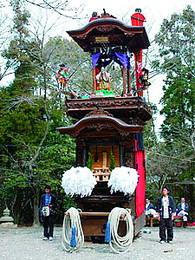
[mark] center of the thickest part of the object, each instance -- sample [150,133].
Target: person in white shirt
[166,212]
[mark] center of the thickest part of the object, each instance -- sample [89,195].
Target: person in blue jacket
[166,212]
[47,211]
[182,211]
[150,210]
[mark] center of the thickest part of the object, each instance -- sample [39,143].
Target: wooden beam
[94,79]
[128,81]
[94,214]
[124,80]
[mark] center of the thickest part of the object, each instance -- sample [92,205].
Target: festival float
[110,159]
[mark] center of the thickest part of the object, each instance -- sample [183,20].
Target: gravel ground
[26,244]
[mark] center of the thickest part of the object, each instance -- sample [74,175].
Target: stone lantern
[6,219]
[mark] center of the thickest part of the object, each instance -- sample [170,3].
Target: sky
[153,10]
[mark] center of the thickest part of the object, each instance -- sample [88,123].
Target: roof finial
[138,10]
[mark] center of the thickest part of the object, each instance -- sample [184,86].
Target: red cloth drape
[141,186]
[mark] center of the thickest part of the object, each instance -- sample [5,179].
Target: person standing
[182,210]
[47,211]
[166,211]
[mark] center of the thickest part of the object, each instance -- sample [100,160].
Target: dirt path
[27,244]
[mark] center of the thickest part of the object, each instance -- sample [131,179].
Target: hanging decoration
[102,60]
[78,181]
[123,179]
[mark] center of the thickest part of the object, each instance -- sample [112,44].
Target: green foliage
[27,163]
[171,159]
[112,162]
[79,63]
[89,161]
[149,135]
[19,54]
[176,40]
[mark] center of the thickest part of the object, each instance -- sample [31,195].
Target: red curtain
[141,186]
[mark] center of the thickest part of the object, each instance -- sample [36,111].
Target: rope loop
[72,232]
[120,244]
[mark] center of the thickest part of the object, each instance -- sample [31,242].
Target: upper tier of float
[107,31]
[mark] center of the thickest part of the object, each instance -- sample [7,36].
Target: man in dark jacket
[47,211]
[166,211]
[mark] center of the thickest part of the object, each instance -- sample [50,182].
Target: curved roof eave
[105,21]
[111,121]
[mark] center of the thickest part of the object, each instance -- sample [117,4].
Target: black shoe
[185,224]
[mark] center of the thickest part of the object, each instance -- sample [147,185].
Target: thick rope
[120,244]
[72,232]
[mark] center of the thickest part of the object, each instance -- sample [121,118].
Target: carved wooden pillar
[81,152]
[121,149]
[124,80]
[94,79]
[79,159]
[138,65]
[128,81]
[104,162]
[84,154]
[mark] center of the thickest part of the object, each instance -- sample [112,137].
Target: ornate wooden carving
[135,121]
[99,126]
[106,102]
[129,159]
[98,112]
[132,110]
[105,28]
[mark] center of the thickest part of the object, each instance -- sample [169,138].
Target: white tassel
[78,181]
[123,179]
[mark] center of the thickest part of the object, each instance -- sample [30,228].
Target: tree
[112,162]
[89,161]
[32,153]
[172,159]
[58,6]
[18,51]
[79,63]
[28,126]
[176,40]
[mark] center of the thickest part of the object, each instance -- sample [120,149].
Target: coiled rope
[72,232]
[120,244]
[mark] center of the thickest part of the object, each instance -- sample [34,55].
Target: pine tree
[89,161]
[18,54]
[112,162]
[176,40]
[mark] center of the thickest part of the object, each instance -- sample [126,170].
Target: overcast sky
[154,10]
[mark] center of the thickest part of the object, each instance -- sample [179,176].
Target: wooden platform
[94,223]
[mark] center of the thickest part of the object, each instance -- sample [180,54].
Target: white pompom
[123,179]
[78,181]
